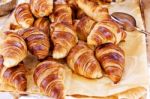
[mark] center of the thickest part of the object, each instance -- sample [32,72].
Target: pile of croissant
[80,32]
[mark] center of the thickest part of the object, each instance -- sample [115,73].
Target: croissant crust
[41,8]
[82,61]
[64,38]
[13,50]
[37,42]
[63,13]
[83,27]
[112,59]
[94,9]
[49,76]
[43,24]
[14,76]
[24,16]
[105,32]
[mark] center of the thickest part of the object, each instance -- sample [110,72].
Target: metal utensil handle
[142,31]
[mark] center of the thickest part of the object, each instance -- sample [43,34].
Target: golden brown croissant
[23,15]
[63,13]
[107,1]
[43,24]
[83,27]
[41,8]
[112,59]
[14,49]
[1,62]
[82,61]
[94,9]
[49,77]
[14,27]
[105,32]
[37,42]
[14,76]
[72,4]
[64,38]
[80,14]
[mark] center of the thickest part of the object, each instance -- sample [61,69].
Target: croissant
[63,13]
[64,38]
[74,7]
[1,62]
[80,14]
[23,15]
[37,42]
[14,76]
[14,27]
[41,8]
[83,27]
[112,59]
[43,24]
[72,3]
[107,1]
[105,32]
[49,77]
[13,50]
[82,61]
[94,9]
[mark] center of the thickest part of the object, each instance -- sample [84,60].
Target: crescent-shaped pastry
[41,8]
[37,42]
[14,76]
[13,50]
[49,77]
[82,61]
[94,9]
[105,32]
[62,13]
[112,59]
[23,15]
[64,38]
[43,24]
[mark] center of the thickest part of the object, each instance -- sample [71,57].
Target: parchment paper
[135,78]
[146,8]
